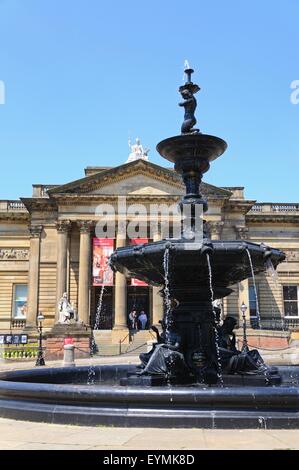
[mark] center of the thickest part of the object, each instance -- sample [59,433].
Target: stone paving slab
[19,435]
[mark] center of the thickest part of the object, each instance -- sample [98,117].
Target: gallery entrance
[105,321]
[138,299]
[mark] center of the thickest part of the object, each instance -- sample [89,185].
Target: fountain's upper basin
[188,263]
[198,146]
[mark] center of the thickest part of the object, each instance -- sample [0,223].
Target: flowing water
[166,291]
[93,345]
[219,366]
[99,308]
[167,303]
[271,273]
[258,316]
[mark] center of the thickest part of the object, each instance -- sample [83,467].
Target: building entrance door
[105,320]
[138,299]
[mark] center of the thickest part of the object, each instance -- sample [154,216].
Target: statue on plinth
[67,313]
[137,151]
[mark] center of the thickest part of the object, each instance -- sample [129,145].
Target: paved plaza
[20,435]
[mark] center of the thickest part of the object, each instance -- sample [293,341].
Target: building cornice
[14,216]
[238,205]
[272,218]
[39,204]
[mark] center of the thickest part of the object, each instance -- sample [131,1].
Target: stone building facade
[46,249]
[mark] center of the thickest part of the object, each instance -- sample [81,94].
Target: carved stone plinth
[55,340]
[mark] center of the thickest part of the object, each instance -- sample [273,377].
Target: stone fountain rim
[177,407]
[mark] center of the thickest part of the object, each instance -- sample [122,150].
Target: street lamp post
[245,343]
[40,361]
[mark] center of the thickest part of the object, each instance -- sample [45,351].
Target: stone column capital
[85,226]
[215,228]
[241,232]
[63,226]
[35,231]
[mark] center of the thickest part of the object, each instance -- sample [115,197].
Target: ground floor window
[290,301]
[19,308]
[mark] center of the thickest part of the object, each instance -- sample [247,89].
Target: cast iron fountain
[200,271]
[194,376]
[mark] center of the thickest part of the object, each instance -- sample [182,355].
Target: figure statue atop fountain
[137,151]
[67,313]
[188,91]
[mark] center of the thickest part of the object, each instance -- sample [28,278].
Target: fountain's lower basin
[61,395]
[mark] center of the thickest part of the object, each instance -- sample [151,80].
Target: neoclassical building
[47,241]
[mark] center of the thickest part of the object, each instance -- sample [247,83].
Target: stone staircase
[137,344]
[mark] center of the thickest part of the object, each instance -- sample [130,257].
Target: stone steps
[137,345]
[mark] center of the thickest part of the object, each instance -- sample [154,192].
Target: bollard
[69,355]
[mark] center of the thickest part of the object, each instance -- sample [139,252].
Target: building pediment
[136,178]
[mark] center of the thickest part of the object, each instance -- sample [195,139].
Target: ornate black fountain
[200,378]
[200,271]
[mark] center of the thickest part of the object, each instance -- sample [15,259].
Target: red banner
[138,241]
[101,272]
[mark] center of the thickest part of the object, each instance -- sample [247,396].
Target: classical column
[215,229]
[157,300]
[242,234]
[120,315]
[33,277]
[84,270]
[63,228]
[244,297]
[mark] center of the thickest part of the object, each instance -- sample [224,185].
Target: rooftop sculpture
[137,151]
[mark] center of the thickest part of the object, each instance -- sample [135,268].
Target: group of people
[137,321]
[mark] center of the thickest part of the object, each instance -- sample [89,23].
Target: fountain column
[157,300]
[120,329]
[33,277]
[84,270]
[63,229]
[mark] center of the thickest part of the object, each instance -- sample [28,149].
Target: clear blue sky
[81,75]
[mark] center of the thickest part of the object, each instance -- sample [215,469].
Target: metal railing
[13,352]
[279,324]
